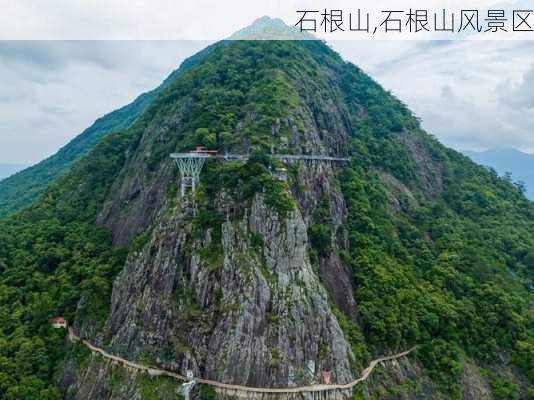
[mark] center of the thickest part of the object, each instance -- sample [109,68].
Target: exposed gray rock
[338,280]
[256,317]
[285,319]
[430,171]
[475,386]
[400,379]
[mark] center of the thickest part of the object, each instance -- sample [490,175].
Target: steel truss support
[190,166]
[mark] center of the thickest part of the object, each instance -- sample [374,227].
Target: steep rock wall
[255,316]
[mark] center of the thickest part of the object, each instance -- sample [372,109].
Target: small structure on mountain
[58,322]
[190,164]
[187,387]
[310,371]
[203,150]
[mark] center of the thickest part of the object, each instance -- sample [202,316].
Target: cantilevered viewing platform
[190,164]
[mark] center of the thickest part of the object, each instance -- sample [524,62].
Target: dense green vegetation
[452,273]
[51,257]
[448,266]
[242,181]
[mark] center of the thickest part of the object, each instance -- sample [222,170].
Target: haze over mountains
[7,170]
[21,189]
[508,160]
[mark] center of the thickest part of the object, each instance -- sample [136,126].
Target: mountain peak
[267,28]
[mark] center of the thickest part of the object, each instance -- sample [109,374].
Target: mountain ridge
[20,189]
[7,170]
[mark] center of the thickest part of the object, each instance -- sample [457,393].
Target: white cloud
[51,91]
[470,94]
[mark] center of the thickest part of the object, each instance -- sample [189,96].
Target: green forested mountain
[249,277]
[22,188]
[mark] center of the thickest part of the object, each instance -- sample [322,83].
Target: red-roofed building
[203,150]
[58,322]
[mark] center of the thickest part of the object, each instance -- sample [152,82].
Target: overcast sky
[470,94]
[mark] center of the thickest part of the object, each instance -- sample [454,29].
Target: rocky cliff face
[255,315]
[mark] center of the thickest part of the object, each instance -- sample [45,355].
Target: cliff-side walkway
[239,390]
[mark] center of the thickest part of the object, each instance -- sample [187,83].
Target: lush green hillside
[440,250]
[25,186]
[22,188]
[52,254]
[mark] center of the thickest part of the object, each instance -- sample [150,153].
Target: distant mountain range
[9,169]
[519,164]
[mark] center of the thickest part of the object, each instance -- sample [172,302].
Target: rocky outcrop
[400,379]
[430,169]
[474,384]
[285,319]
[256,315]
